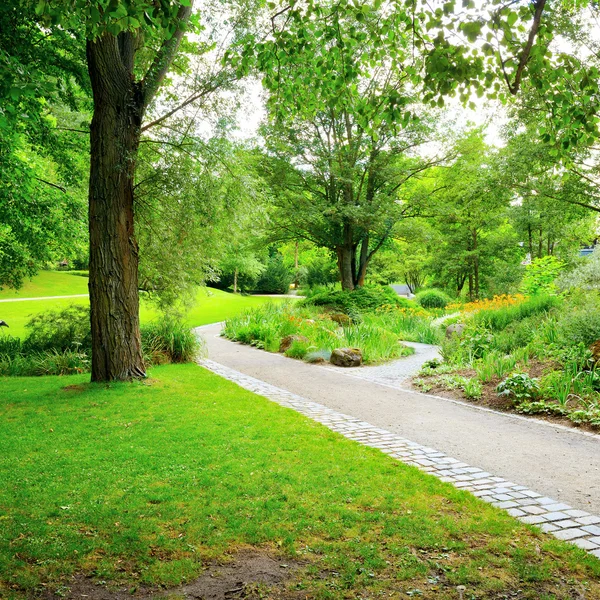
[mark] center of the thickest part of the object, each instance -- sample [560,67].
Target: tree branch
[165,55]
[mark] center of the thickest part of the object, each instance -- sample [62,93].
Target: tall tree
[344,123]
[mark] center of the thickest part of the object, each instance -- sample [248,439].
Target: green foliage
[60,330]
[498,319]
[433,299]
[49,362]
[267,326]
[541,274]
[59,343]
[364,299]
[585,275]
[519,386]
[581,325]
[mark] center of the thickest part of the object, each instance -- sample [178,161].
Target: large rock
[346,357]
[288,340]
[341,319]
[455,329]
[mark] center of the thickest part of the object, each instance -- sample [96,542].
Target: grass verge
[145,482]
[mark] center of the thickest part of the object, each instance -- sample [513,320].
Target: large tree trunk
[115,134]
[345,258]
[363,261]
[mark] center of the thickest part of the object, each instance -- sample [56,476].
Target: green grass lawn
[144,482]
[211,305]
[49,283]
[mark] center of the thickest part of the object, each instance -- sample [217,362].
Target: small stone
[585,544]
[568,534]
[555,516]
[589,520]
[533,519]
[593,529]
[533,510]
[556,507]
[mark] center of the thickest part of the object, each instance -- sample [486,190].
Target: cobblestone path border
[561,520]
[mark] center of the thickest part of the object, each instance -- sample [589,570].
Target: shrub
[60,330]
[365,299]
[581,326]
[169,340]
[10,345]
[472,389]
[586,274]
[540,275]
[276,278]
[266,326]
[519,386]
[433,299]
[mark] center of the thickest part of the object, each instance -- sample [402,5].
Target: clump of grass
[50,362]
[169,340]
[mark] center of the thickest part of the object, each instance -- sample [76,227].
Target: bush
[276,278]
[433,299]
[540,275]
[59,330]
[365,299]
[581,326]
[10,345]
[169,341]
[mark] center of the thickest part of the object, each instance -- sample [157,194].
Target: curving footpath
[543,474]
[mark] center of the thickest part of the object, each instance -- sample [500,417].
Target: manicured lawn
[49,283]
[211,305]
[144,482]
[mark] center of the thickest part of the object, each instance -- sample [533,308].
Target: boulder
[455,329]
[346,357]
[288,340]
[341,319]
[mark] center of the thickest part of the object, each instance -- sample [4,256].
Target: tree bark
[363,261]
[345,257]
[235,279]
[113,283]
[296,273]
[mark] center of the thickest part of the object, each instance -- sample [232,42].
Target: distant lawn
[49,283]
[211,305]
[143,482]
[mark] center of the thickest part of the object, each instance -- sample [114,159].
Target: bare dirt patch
[250,574]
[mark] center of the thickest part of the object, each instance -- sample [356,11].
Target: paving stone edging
[560,520]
